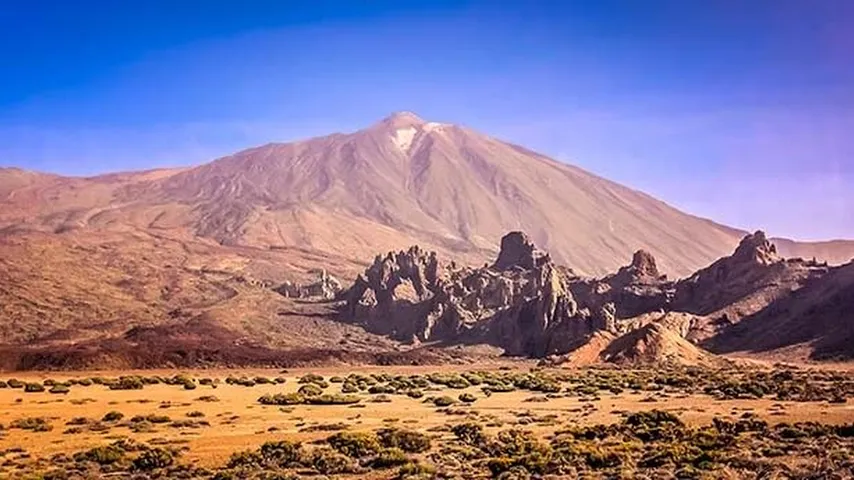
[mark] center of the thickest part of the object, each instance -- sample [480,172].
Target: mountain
[401,181]
[93,270]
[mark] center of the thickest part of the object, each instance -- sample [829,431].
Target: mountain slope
[401,181]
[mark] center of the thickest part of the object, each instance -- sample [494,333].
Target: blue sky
[739,111]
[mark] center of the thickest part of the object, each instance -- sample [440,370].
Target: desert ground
[213,423]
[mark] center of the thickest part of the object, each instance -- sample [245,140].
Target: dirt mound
[654,343]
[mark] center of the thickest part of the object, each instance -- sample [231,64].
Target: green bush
[33,387]
[105,455]
[416,470]
[470,434]
[153,459]
[113,416]
[355,444]
[245,459]
[467,398]
[36,424]
[127,383]
[59,389]
[151,418]
[282,399]
[329,462]
[310,390]
[281,453]
[389,457]
[409,441]
[333,399]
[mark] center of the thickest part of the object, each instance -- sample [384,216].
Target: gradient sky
[741,111]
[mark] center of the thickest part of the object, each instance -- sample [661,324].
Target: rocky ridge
[526,305]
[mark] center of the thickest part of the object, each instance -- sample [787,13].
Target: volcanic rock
[517,250]
[521,304]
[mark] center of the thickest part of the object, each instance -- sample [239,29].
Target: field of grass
[423,422]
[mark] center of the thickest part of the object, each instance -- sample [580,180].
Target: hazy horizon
[739,113]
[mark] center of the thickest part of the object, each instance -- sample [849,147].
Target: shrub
[467,398]
[348,387]
[153,459]
[105,455]
[36,424]
[151,418]
[282,453]
[113,416]
[469,434]
[413,470]
[355,444]
[330,462]
[195,414]
[444,401]
[59,389]
[407,440]
[330,399]
[245,458]
[389,457]
[33,387]
[310,390]
[654,425]
[127,383]
[15,383]
[311,378]
[282,399]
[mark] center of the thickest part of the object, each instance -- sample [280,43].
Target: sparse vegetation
[524,441]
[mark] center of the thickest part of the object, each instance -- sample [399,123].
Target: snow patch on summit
[403,137]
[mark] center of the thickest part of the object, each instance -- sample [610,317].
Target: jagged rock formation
[742,284]
[518,251]
[526,305]
[326,287]
[521,303]
[635,289]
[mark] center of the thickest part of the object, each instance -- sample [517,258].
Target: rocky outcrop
[521,303]
[755,249]
[635,289]
[528,306]
[326,287]
[743,283]
[518,251]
